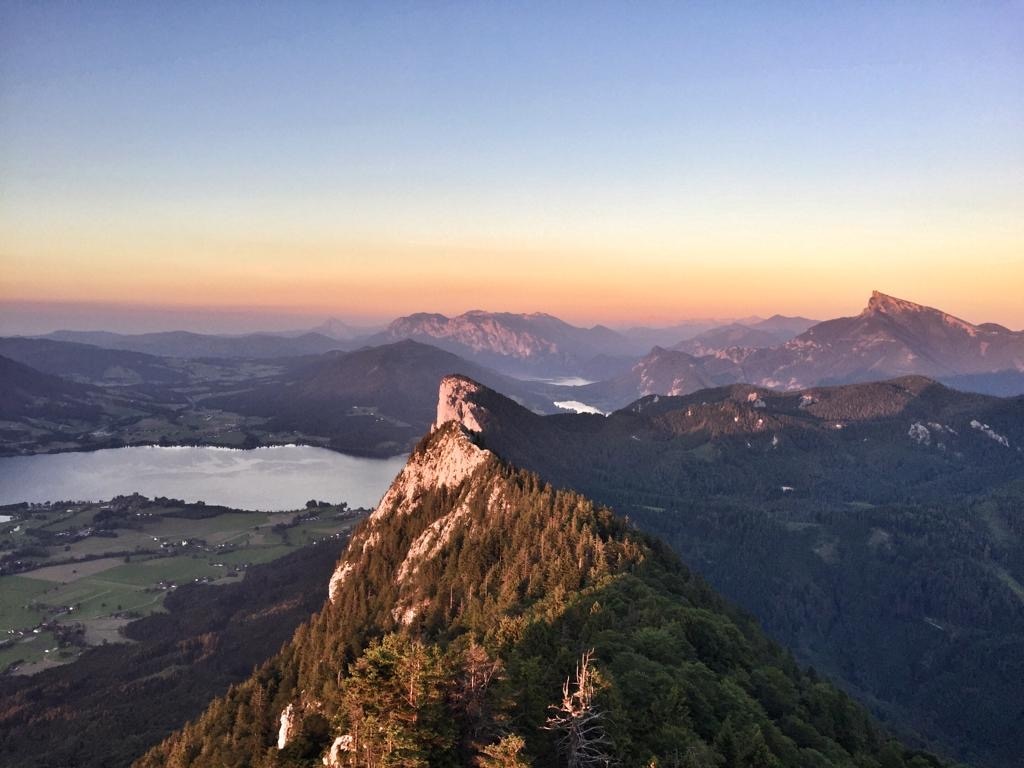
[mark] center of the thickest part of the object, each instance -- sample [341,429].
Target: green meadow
[94,567]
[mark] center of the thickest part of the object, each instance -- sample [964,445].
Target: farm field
[73,574]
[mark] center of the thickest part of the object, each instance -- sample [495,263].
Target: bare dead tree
[583,740]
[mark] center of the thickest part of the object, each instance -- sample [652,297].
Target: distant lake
[275,478]
[564,381]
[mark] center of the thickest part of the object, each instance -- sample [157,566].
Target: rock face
[453,403]
[501,333]
[447,461]
[289,725]
[335,756]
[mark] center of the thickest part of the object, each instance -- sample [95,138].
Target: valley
[868,527]
[376,399]
[73,575]
[119,698]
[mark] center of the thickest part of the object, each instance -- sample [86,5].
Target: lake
[274,478]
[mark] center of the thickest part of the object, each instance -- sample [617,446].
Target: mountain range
[535,344]
[377,399]
[890,337]
[184,344]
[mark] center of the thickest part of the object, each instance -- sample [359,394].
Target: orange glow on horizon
[619,278]
[618,293]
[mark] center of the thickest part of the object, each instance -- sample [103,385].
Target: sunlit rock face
[289,726]
[448,459]
[454,403]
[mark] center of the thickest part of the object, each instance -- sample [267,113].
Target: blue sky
[296,139]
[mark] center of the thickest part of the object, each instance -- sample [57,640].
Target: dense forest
[873,529]
[481,617]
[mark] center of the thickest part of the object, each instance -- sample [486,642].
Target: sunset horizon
[474,384]
[41,317]
[415,158]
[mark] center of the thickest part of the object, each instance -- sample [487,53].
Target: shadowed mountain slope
[376,400]
[873,528]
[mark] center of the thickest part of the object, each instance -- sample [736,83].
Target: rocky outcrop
[335,755]
[454,403]
[447,459]
[289,726]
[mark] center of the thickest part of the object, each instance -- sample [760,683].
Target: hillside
[89,364]
[376,400]
[40,410]
[872,528]
[465,602]
[116,700]
[185,344]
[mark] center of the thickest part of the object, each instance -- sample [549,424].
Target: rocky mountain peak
[907,312]
[444,459]
[454,403]
[881,303]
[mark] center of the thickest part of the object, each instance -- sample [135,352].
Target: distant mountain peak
[890,305]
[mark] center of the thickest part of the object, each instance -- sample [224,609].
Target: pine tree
[507,753]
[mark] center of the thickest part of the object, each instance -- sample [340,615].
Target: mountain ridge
[851,520]
[889,337]
[471,564]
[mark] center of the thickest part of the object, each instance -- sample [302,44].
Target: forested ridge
[874,529]
[462,608]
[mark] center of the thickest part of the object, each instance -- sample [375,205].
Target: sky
[253,166]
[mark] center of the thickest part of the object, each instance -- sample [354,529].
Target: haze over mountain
[334,328]
[753,335]
[198,345]
[872,528]
[523,344]
[890,337]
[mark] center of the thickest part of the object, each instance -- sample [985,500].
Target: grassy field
[93,567]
